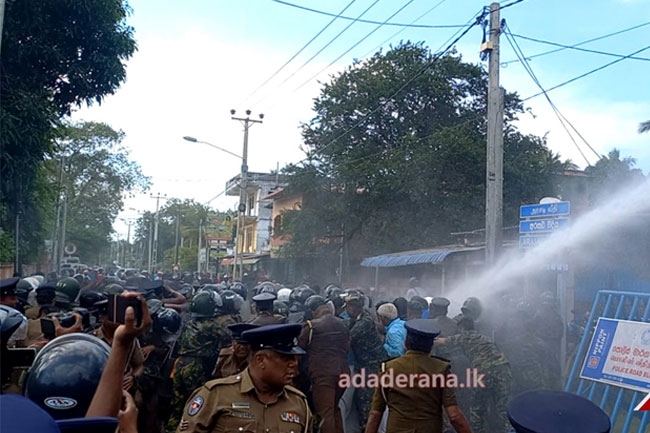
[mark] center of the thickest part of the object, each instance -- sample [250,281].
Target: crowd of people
[190,354]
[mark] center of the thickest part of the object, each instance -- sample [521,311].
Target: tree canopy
[396,157]
[55,56]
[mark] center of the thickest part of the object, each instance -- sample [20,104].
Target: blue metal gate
[618,403]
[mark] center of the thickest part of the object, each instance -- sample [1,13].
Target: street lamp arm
[194,140]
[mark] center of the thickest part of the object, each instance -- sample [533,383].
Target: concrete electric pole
[494,172]
[155,232]
[248,122]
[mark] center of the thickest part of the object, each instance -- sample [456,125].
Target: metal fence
[617,402]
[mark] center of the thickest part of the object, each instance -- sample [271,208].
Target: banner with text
[619,354]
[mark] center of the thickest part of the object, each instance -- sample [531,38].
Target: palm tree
[644,127]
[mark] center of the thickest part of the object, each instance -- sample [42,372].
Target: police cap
[422,328]
[281,338]
[8,286]
[440,302]
[557,412]
[238,328]
[266,296]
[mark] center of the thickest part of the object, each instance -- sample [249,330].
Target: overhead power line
[354,46]
[403,29]
[563,120]
[570,47]
[323,48]
[510,4]
[421,26]
[609,35]
[647,47]
[300,50]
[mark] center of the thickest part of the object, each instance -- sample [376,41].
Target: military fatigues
[490,361]
[200,344]
[231,405]
[418,409]
[369,352]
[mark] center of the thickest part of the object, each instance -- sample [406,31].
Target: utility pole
[176,246]
[494,172]
[55,237]
[150,245]
[198,254]
[241,225]
[63,227]
[155,230]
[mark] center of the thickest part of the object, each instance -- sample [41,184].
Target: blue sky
[199,58]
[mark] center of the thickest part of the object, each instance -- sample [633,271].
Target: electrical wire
[510,4]
[403,29]
[477,19]
[320,51]
[300,50]
[421,26]
[609,35]
[563,120]
[647,47]
[353,46]
[555,44]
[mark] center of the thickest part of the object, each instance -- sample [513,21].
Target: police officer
[234,359]
[264,308]
[259,399]
[420,408]
[8,292]
[438,313]
[556,411]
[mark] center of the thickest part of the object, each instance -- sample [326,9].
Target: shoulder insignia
[223,381]
[295,391]
[195,406]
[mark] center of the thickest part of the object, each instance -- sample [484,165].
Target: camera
[66,320]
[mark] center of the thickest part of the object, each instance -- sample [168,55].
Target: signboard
[219,227]
[543,225]
[619,354]
[528,241]
[545,210]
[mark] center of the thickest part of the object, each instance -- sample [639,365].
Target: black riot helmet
[166,324]
[314,302]
[91,300]
[206,303]
[280,309]
[239,288]
[232,302]
[301,293]
[154,306]
[69,287]
[65,374]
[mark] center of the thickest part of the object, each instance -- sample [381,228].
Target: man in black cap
[264,308]
[260,399]
[416,408]
[556,411]
[8,292]
[234,359]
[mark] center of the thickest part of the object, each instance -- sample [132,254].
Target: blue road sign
[543,225]
[545,210]
[529,241]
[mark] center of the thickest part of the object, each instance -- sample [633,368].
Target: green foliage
[56,55]
[97,173]
[397,158]
[611,173]
[644,127]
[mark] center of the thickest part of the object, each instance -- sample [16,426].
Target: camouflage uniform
[369,353]
[486,357]
[200,344]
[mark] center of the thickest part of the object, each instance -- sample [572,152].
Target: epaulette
[226,351]
[295,391]
[224,381]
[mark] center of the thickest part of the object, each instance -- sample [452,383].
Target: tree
[396,157]
[611,173]
[55,56]
[96,172]
[644,127]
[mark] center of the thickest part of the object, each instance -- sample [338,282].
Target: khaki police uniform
[231,405]
[418,409]
[227,364]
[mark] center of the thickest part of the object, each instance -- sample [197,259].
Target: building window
[250,208]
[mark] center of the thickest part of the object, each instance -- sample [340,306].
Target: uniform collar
[416,353]
[247,384]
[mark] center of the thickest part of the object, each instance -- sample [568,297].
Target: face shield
[19,334]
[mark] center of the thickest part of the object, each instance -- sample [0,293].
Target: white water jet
[513,265]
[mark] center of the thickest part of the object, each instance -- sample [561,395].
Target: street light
[194,140]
